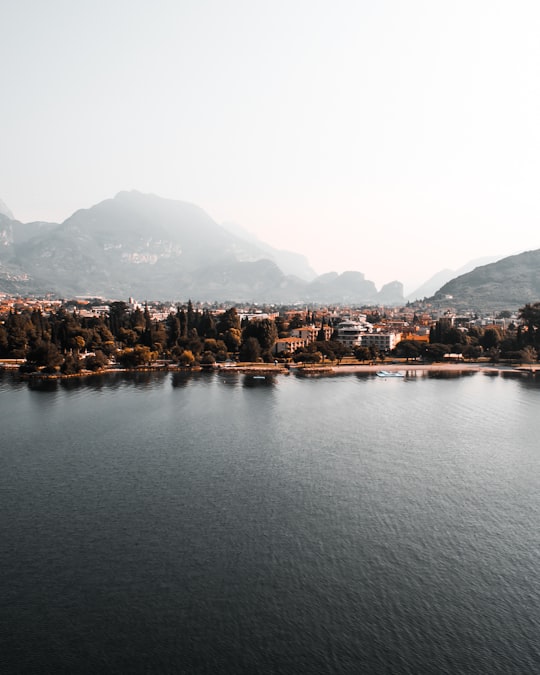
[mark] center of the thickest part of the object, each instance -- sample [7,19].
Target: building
[384,342]
[311,333]
[350,333]
[289,344]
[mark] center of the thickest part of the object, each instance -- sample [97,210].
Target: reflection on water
[41,384]
[258,380]
[180,380]
[448,374]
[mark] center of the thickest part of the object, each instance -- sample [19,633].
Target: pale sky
[394,137]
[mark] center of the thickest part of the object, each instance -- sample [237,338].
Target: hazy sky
[395,137]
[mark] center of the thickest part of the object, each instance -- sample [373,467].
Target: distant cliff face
[152,248]
[4,211]
[508,283]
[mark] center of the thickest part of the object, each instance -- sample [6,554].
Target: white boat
[389,373]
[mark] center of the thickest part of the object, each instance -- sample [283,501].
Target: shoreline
[433,367]
[282,369]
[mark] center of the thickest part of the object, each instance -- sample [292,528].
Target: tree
[264,330]
[78,343]
[17,339]
[250,350]
[339,349]
[139,355]
[97,361]
[233,339]
[408,349]
[173,330]
[207,325]
[491,338]
[208,359]
[137,320]
[44,354]
[362,353]
[118,316]
[307,356]
[443,332]
[186,358]
[72,365]
[229,319]
[528,355]
[530,315]
[434,351]
[3,341]
[297,321]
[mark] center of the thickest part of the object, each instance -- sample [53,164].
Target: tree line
[66,341]
[517,342]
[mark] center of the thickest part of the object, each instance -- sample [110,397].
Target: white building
[382,341]
[350,333]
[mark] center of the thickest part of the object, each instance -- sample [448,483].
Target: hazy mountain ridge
[4,211]
[505,284]
[288,262]
[150,247]
[153,248]
[432,285]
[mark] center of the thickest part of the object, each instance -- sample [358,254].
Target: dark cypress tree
[191,320]
[207,325]
[173,330]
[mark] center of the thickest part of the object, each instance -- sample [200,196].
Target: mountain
[148,247]
[506,284]
[287,261]
[432,285]
[4,211]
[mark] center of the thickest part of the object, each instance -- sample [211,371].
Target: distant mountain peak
[5,211]
[146,246]
[504,284]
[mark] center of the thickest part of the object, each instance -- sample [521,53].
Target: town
[74,336]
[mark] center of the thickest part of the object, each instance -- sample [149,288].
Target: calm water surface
[221,524]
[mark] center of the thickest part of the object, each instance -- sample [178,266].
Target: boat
[389,373]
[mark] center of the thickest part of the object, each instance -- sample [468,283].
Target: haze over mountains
[145,246]
[148,247]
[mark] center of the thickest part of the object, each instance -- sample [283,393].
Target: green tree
[297,322]
[118,316]
[3,341]
[362,353]
[44,354]
[207,325]
[72,365]
[16,336]
[408,349]
[530,316]
[250,350]
[173,330]
[97,361]
[306,356]
[207,359]
[434,351]
[229,319]
[264,330]
[491,338]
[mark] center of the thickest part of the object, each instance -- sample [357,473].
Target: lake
[217,523]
